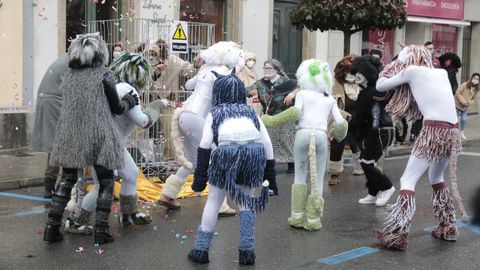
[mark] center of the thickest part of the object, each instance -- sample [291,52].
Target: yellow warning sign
[179,33]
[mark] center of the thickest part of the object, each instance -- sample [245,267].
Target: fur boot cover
[299,204]
[397,224]
[444,211]
[178,142]
[291,114]
[335,167]
[172,186]
[314,212]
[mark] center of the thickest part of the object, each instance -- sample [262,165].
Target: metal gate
[152,149]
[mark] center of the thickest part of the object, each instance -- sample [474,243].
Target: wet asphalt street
[346,241]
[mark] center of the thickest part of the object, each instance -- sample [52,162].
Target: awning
[438,21]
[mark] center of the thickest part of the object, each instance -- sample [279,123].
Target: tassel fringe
[456,148]
[397,224]
[444,211]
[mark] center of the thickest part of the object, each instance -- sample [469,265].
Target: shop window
[204,11]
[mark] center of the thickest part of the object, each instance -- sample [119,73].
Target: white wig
[223,53]
[88,50]
[315,74]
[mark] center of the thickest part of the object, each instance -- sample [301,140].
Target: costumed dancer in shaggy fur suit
[133,73]
[188,121]
[87,134]
[420,89]
[372,128]
[314,103]
[345,91]
[242,160]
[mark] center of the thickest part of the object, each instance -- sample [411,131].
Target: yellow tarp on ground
[151,189]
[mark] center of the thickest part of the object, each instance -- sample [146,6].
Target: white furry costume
[188,121]
[420,89]
[316,103]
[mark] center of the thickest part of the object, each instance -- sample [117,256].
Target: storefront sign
[446,9]
[381,40]
[179,37]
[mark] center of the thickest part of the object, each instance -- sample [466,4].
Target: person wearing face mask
[117,51]
[248,76]
[272,91]
[466,95]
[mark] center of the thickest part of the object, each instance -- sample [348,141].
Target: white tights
[301,149]
[416,167]
[216,197]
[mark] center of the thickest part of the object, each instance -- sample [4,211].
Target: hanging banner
[445,9]
[381,40]
[179,37]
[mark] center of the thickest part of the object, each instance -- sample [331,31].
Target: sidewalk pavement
[26,169]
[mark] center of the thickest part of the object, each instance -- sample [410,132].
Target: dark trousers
[336,148]
[51,174]
[62,196]
[372,149]
[416,127]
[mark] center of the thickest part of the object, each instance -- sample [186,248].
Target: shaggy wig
[88,50]
[223,53]
[228,89]
[369,66]
[133,69]
[314,74]
[342,68]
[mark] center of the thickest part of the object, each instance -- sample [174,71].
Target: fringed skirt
[234,165]
[436,140]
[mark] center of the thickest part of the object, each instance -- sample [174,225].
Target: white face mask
[250,64]
[474,82]
[117,54]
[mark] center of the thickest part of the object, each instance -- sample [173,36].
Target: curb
[20,183]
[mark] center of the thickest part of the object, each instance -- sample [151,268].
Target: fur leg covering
[299,203]
[246,243]
[397,224]
[172,186]
[130,214]
[84,217]
[335,167]
[178,142]
[61,197]
[128,204]
[199,254]
[357,169]
[314,212]
[444,211]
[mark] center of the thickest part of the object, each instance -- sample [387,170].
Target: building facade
[40,30]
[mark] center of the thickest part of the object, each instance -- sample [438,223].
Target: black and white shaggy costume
[87,134]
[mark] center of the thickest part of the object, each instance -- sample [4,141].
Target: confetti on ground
[96,245]
[177,235]
[100,251]
[80,250]
[39,230]
[215,234]
[155,228]
[182,242]
[184,237]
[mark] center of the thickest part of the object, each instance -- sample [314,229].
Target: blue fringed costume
[241,162]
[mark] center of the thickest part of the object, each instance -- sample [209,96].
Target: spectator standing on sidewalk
[467,94]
